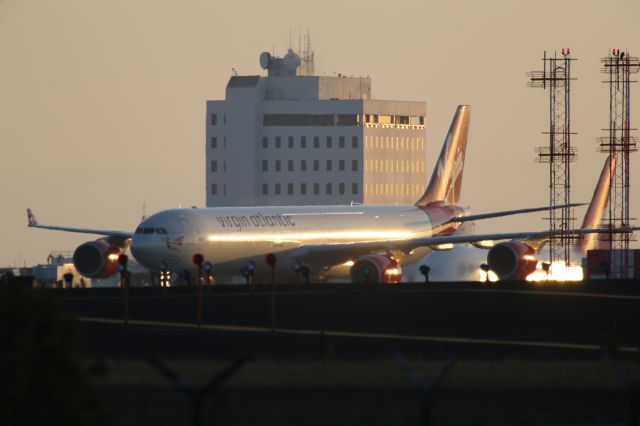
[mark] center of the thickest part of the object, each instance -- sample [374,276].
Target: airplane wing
[121,235]
[342,252]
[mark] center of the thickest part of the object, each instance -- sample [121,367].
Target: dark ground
[519,353]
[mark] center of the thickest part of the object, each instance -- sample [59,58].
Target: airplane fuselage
[228,237]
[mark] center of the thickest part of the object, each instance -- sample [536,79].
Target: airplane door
[187,231]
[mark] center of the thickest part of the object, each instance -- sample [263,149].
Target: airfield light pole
[270,258]
[124,284]
[559,154]
[197,260]
[618,68]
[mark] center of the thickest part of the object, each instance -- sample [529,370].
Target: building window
[290,141]
[214,189]
[303,142]
[214,166]
[290,165]
[303,165]
[316,189]
[316,142]
[328,165]
[316,165]
[265,189]
[354,188]
[265,165]
[277,165]
[354,142]
[265,142]
[290,188]
[341,142]
[214,119]
[341,165]
[354,165]
[277,189]
[328,141]
[278,141]
[298,120]
[303,189]
[214,142]
[341,188]
[329,188]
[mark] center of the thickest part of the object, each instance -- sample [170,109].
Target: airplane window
[147,231]
[139,230]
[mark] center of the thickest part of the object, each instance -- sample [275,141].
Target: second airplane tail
[446,180]
[597,205]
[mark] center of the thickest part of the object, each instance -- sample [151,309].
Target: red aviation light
[197,259]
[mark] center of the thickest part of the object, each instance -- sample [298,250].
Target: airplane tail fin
[446,180]
[598,204]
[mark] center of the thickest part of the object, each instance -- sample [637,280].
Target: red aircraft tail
[446,180]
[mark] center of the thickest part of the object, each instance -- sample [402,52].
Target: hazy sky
[103,102]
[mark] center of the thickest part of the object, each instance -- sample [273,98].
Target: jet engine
[375,268]
[512,261]
[97,259]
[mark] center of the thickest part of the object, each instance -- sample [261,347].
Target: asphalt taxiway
[515,317]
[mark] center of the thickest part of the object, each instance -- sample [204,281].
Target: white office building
[290,138]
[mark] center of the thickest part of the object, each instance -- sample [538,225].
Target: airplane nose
[143,250]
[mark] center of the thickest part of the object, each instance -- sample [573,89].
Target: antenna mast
[559,154]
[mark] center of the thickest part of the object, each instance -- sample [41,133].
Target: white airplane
[374,240]
[516,259]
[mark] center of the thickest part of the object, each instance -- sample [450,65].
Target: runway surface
[362,319]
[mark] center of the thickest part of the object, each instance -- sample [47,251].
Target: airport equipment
[559,154]
[125,277]
[618,67]
[198,259]
[270,258]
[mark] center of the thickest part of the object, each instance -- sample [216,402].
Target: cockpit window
[147,231]
[139,230]
[160,230]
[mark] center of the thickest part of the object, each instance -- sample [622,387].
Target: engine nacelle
[96,259]
[512,260]
[374,268]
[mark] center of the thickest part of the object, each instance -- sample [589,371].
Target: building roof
[243,81]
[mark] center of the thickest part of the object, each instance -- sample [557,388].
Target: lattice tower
[618,67]
[559,154]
